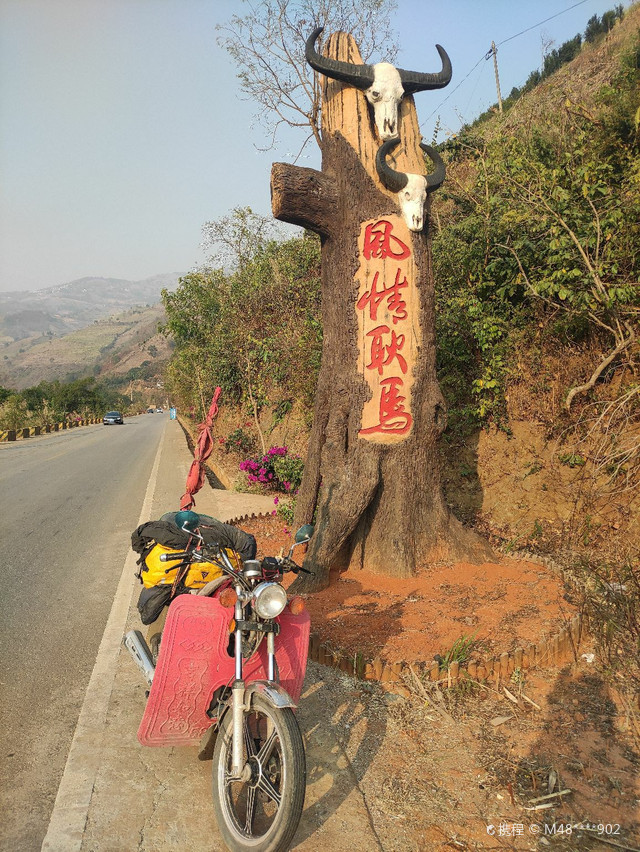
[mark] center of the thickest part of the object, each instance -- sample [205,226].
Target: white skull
[412,199]
[385,95]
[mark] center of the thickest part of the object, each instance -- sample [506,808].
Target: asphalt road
[68,505]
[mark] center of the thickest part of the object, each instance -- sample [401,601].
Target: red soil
[499,605]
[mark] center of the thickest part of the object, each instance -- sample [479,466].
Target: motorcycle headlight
[269,600]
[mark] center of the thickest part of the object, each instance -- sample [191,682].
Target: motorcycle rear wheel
[261,814]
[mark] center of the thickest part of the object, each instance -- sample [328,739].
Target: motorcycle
[229,669]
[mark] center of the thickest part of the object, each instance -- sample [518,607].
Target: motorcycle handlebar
[170,557]
[286,563]
[289,565]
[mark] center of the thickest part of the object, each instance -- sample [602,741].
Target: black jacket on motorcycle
[166,532]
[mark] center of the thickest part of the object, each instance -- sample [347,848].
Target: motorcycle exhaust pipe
[135,643]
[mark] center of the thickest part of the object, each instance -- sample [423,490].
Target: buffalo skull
[383,85]
[412,189]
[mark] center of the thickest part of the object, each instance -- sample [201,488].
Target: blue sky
[122,128]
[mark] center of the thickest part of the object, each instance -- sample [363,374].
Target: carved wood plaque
[389,333]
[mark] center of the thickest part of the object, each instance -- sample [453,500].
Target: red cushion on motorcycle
[193,663]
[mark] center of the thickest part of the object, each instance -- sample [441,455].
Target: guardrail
[31,431]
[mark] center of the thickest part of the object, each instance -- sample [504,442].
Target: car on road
[151,410]
[112,417]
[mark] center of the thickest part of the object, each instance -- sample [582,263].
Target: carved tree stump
[371,469]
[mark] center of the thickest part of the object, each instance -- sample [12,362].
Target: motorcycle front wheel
[262,813]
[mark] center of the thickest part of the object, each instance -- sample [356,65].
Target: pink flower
[276,500]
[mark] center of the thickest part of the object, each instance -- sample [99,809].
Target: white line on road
[71,808]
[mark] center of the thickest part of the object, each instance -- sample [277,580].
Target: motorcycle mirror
[304,533]
[193,533]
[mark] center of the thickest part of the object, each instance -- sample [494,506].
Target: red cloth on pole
[204,445]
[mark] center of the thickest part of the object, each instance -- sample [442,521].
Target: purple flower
[276,500]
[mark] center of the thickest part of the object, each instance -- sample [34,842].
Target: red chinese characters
[384,311]
[382,353]
[396,305]
[393,417]
[379,242]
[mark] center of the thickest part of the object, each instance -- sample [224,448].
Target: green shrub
[239,441]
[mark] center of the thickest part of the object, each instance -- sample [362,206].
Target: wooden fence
[496,669]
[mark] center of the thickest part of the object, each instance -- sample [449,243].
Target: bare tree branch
[267,45]
[599,370]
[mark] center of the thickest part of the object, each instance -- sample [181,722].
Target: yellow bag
[157,573]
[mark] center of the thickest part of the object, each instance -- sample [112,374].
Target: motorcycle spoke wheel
[261,813]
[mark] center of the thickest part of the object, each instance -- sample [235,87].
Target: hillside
[109,347]
[68,307]
[537,258]
[576,86]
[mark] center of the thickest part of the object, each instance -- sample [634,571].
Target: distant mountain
[56,311]
[123,347]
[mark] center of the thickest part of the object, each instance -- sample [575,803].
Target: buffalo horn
[436,178]
[413,81]
[394,181]
[360,76]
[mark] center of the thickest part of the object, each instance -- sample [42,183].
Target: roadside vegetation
[55,402]
[537,247]
[256,331]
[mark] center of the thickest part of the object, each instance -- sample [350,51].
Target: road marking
[71,808]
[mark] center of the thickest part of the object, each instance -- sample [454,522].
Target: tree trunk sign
[371,476]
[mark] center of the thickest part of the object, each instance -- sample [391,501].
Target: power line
[453,91]
[473,91]
[557,15]
[489,54]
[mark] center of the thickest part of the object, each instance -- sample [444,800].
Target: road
[68,504]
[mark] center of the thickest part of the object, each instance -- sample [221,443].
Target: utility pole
[494,50]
